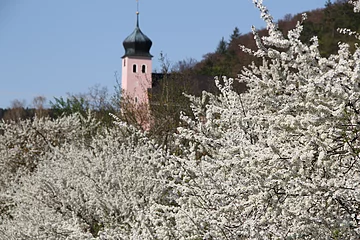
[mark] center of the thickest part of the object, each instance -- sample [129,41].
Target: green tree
[235,35]
[222,46]
[71,104]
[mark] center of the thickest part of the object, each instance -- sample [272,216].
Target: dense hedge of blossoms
[23,144]
[278,162]
[81,189]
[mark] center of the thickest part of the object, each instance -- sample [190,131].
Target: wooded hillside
[228,59]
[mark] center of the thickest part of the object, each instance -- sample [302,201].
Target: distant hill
[229,60]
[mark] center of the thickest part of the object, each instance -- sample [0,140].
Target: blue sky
[53,47]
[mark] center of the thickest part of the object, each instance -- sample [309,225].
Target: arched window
[124,62]
[134,68]
[136,99]
[143,68]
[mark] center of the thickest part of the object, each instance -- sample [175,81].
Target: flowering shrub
[79,191]
[22,145]
[280,161]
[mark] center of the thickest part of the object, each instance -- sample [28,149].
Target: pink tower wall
[135,85]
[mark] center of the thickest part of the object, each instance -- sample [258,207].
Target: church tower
[137,66]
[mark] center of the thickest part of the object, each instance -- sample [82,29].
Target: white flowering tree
[356,5]
[280,161]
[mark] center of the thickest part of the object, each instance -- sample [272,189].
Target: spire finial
[137,13]
[137,7]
